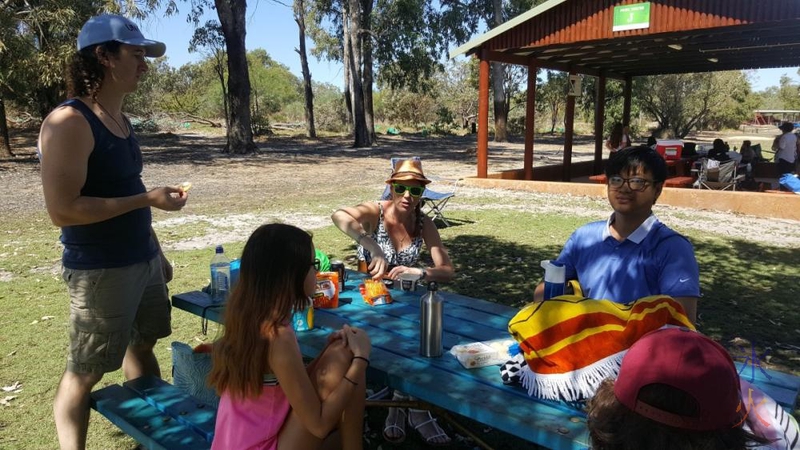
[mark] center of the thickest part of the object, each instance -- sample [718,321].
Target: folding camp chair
[719,175]
[433,201]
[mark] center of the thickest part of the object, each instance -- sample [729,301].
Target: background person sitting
[676,389]
[626,136]
[747,152]
[616,141]
[719,150]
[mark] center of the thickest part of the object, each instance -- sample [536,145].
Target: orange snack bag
[327,295]
[375,292]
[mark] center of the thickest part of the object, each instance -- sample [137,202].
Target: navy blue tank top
[114,170]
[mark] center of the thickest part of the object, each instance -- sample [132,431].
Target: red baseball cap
[690,362]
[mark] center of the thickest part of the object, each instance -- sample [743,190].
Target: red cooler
[669,150]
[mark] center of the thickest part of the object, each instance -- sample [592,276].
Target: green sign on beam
[631,17]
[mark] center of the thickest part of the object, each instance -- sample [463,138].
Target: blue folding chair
[433,202]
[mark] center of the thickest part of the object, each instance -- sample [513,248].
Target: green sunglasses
[400,189]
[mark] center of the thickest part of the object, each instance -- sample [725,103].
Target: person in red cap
[113,265]
[676,389]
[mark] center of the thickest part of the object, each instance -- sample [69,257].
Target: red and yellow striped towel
[572,343]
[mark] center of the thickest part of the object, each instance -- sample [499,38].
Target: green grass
[750,291]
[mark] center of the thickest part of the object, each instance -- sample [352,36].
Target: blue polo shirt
[653,260]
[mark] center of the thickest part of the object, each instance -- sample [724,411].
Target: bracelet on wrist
[351,381]
[360,237]
[361,358]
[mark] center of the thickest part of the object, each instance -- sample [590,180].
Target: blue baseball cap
[111,27]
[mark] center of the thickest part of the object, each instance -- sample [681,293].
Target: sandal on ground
[435,435]
[394,429]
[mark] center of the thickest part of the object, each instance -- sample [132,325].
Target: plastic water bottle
[220,276]
[555,276]
[430,322]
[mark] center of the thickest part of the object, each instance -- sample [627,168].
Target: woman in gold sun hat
[390,234]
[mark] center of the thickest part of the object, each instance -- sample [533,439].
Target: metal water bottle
[430,322]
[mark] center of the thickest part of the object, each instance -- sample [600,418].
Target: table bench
[158,415]
[600,179]
[679,182]
[478,394]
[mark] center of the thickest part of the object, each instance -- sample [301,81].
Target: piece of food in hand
[185,186]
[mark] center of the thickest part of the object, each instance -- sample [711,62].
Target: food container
[327,294]
[481,354]
[375,293]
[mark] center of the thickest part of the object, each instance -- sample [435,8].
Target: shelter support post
[569,128]
[483,115]
[626,105]
[530,115]
[599,120]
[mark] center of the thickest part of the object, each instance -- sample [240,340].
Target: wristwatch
[423,276]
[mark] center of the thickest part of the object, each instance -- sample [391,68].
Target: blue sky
[271,26]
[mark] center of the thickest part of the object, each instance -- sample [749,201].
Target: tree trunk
[348,103]
[498,76]
[366,37]
[360,131]
[232,18]
[220,69]
[5,149]
[300,18]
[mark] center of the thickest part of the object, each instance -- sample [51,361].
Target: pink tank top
[251,423]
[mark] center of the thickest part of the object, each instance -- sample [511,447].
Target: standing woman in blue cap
[113,265]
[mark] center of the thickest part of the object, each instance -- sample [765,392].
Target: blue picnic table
[478,394]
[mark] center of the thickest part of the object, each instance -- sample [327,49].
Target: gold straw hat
[408,170]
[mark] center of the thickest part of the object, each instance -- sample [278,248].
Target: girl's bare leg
[326,373]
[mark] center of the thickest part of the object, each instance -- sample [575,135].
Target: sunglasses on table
[635,184]
[400,189]
[316,264]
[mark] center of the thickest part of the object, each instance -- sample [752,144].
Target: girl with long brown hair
[269,399]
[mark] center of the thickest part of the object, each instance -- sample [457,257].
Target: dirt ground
[287,167]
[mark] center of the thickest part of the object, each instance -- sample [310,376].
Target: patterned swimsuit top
[406,257]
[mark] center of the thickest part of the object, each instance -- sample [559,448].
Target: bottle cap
[219,249]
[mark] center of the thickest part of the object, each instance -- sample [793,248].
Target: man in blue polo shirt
[632,254]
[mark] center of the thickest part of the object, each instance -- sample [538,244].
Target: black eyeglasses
[316,265]
[635,184]
[400,189]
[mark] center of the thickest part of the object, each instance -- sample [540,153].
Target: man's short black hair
[633,157]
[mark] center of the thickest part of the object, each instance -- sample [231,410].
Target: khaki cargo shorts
[112,308]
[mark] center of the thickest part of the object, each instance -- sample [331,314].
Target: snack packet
[327,295]
[481,354]
[375,292]
[303,320]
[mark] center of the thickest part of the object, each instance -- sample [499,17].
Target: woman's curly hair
[85,73]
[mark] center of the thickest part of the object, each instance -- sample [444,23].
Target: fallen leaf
[34,322]
[47,318]
[12,353]
[16,387]
[5,401]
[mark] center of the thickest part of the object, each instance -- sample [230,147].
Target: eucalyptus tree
[299,9]
[683,102]
[210,41]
